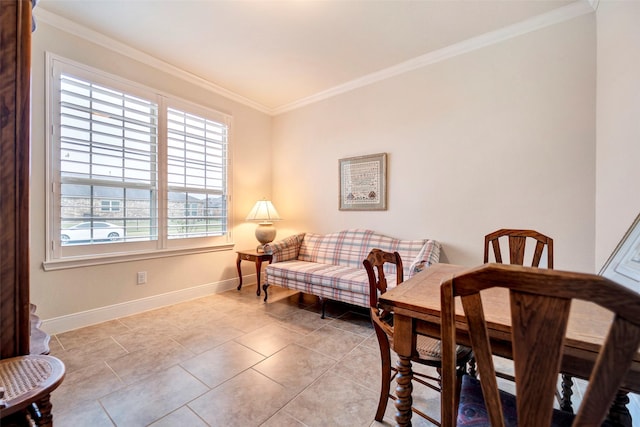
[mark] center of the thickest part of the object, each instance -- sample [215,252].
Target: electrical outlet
[142,277]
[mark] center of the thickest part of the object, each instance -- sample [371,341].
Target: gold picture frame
[363,183]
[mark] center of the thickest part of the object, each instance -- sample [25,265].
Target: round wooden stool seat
[28,380]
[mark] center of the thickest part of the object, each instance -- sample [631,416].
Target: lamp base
[265,233]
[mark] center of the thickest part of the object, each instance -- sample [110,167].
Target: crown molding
[565,13]
[556,16]
[90,35]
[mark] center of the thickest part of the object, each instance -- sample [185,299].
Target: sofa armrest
[285,249]
[429,254]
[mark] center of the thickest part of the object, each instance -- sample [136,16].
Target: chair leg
[42,412]
[385,383]
[323,303]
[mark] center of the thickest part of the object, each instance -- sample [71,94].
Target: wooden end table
[256,257]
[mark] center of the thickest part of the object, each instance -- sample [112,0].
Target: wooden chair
[518,243]
[540,302]
[428,348]
[26,383]
[517,246]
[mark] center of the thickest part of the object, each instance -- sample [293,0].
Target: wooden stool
[27,382]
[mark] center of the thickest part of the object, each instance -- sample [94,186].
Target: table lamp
[264,212]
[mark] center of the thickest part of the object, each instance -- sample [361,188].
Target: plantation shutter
[196,175]
[108,158]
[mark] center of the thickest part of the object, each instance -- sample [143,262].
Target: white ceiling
[278,53]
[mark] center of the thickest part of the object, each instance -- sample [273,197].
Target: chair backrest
[374,265]
[517,246]
[540,301]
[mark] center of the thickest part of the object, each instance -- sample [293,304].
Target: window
[107,144]
[196,175]
[110,206]
[132,170]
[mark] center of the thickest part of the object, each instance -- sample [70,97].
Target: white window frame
[58,256]
[108,205]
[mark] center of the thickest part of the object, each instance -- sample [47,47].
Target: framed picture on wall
[363,183]
[623,266]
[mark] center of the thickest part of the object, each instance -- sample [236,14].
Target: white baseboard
[81,319]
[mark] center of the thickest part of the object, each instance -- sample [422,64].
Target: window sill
[89,261]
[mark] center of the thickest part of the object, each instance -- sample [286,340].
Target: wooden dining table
[415,304]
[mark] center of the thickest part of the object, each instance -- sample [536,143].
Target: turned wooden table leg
[404,388]
[404,344]
[567,392]
[619,414]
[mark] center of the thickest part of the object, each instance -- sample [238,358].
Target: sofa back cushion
[350,247]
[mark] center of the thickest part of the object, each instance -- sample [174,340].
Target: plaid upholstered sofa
[330,265]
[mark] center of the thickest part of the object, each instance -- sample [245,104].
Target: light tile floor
[228,360]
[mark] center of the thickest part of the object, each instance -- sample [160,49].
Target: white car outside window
[91,232]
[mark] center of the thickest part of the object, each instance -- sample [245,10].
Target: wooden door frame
[15,70]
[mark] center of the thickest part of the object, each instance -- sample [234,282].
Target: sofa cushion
[349,247]
[336,282]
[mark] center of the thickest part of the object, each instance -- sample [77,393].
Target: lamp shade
[263,211]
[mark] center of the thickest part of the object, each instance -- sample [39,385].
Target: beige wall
[71,291]
[500,137]
[618,118]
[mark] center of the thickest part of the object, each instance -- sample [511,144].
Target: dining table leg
[619,413]
[404,389]
[566,393]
